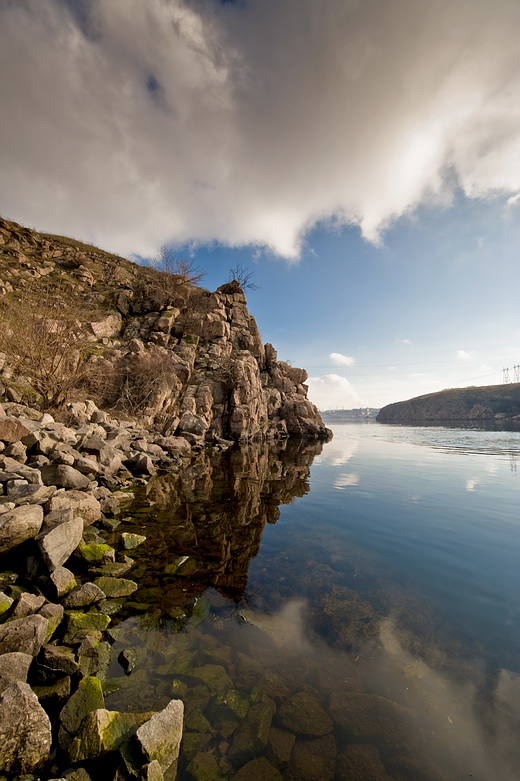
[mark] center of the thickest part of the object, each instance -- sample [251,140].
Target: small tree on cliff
[244,276]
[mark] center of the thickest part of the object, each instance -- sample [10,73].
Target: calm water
[347,613]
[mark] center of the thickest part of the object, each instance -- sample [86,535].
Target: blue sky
[362,158]
[434,306]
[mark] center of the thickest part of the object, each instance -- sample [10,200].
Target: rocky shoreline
[63,487]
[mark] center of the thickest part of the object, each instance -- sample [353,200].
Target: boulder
[54,662]
[84,504]
[26,604]
[102,730]
[56,545]
[160,737]
[303,715]
[25,730]
[19,525]
[14,666]
[129,540]
[84,595]
[87,697]
[26,635]
[116,587]
[258,770]
[250,739]
[63,581]
[12,429]
[54,615]
[64,476]
[313,760]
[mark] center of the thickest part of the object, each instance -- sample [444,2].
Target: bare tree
[244,276]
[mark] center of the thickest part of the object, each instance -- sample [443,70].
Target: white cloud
[333,392]
[131,124]
[405,341]
[341,360]
[346,480]
[465,356]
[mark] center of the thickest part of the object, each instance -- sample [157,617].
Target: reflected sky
[380,576]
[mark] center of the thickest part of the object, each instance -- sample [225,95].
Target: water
[372,584]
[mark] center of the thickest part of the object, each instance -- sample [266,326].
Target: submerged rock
[250,739]
[258,770]
[303,715]
[115,587]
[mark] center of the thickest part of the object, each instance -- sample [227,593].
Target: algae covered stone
[130,540]
[102,730]
[303,715]
[250,739]
[79,623]
[116,587]
[87,697]
[204,767]
[258,770]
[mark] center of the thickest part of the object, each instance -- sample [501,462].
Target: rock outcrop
[189,361]
[488,403]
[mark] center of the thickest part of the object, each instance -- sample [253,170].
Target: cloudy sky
[362,157]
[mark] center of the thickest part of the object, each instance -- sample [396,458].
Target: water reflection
[309,657]
[204,525]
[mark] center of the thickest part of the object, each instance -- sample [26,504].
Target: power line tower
[505,372]
[516,372]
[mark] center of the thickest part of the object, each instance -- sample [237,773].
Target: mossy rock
[102,730]
[197,722]
[129,540]
[214,676]
[87,697]
[94,553]
[79,624]
[204,767]
[116,587]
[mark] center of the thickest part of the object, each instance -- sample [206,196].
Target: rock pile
[57,494]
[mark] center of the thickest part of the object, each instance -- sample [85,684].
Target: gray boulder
[57,544]
[63,580]
[25,730]
[79,502]
[26,635]
[64,476]
[19,525]
[14,666]
[160,737]
[84,595]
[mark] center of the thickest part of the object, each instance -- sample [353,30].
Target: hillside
[141,341]
[490,402]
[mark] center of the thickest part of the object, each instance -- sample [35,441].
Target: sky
[360,157]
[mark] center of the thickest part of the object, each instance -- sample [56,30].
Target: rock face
[188,360]
[492,402]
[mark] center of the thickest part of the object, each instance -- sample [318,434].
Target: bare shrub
[140,385]
[45,337]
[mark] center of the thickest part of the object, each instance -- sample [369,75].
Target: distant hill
[339,415]
[490,402]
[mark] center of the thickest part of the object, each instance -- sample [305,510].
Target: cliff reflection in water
[205,524]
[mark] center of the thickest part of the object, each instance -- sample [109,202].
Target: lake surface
[347,611]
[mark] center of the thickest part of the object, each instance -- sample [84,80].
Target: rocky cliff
[186,360]
[491,402]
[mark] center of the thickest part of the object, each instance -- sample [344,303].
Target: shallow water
[372,584]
